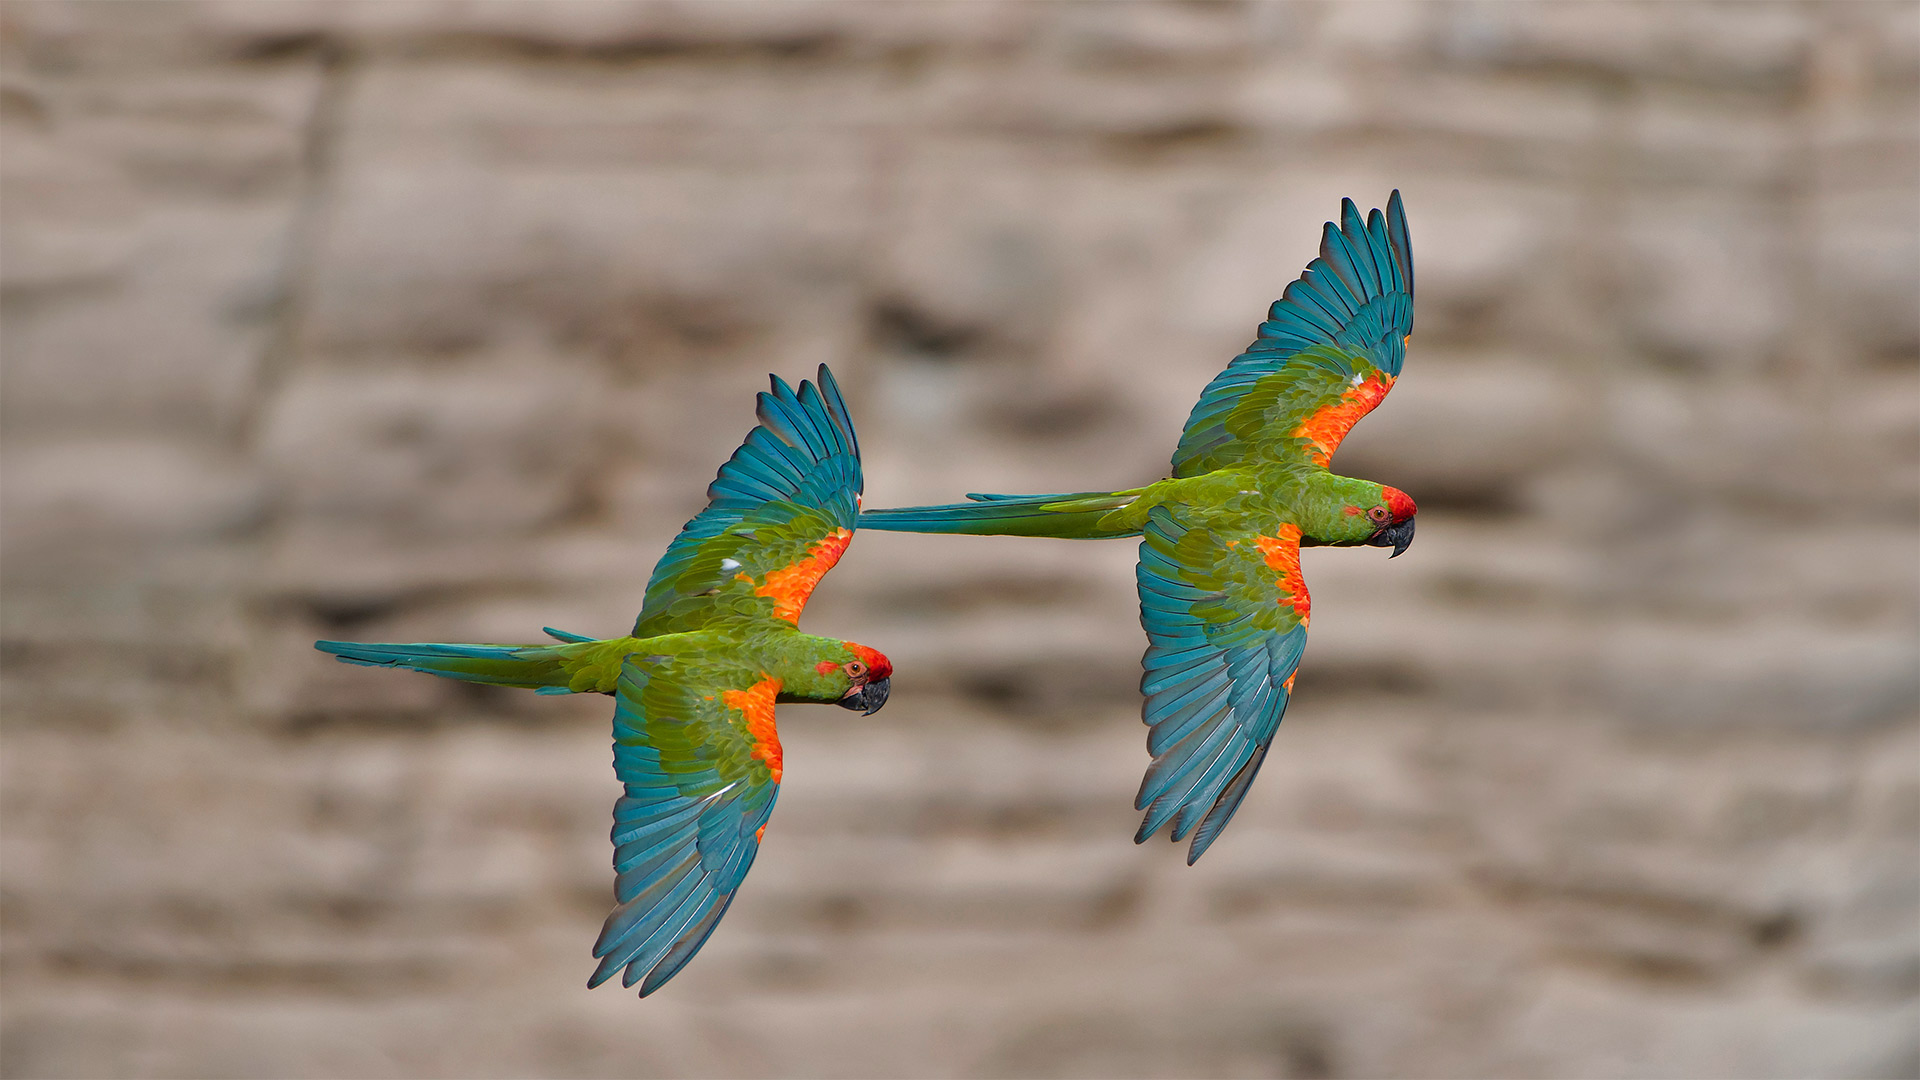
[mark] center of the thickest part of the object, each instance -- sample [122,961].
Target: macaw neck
[809,668]
[1329,509]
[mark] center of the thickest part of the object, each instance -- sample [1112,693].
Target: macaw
[1221,596]
[716,647]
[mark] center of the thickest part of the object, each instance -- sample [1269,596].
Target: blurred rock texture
[432,321]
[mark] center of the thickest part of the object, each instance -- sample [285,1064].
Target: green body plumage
[775,650]
[1306,495]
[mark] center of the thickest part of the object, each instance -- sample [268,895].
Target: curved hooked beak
[867,698]
[1398,537]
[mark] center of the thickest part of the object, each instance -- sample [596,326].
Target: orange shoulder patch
[790,586]
[1330,423]
[756,704]
[1283,554]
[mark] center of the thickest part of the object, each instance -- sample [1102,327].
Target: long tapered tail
[536,667]
[1075,516]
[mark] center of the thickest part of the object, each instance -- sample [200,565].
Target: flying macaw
[716,645]
[1221,597]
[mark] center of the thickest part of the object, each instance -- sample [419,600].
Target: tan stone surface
[405,321]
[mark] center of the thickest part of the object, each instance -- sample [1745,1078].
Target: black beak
[868,698]
[1398,537]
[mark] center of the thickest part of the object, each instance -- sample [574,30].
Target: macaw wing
[779,515]
[695,746]
[1226,620]
[1328,353]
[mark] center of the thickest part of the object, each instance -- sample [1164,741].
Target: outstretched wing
[697,750]
[1328,353]
[780,513]
[1226,620]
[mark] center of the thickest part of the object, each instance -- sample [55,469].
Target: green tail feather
[1073,516]
[537,667]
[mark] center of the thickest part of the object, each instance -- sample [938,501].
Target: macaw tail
[536,667]
[1074,516]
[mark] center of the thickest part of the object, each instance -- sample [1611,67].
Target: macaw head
[855,677]
[1351,513]
[1392,517]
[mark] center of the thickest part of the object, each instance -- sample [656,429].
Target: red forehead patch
[878,666]
[1397,502]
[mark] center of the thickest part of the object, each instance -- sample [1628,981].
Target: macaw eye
[1378,514]
[856,669]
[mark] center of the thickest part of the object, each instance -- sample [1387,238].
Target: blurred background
[431,321]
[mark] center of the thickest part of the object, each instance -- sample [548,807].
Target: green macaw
[1221,597]
[716,646]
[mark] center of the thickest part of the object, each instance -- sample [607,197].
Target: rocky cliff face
[432,321]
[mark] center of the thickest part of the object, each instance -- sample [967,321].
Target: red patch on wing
[791,585]
[1283,554]
[1288,685]
[878,666]
[756,704]
[1330,423]
[1398,503]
